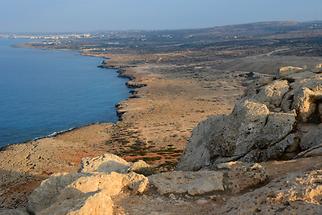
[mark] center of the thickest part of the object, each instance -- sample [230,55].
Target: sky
[95,15]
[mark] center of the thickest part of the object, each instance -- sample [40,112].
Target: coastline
[257,152]
[67,129]
[154,125]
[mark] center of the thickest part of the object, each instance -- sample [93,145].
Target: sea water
[46,91]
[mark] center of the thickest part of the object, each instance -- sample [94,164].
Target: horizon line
[165,29]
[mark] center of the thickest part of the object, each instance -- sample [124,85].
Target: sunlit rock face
[268,123]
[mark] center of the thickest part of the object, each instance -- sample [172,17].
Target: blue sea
[46,91]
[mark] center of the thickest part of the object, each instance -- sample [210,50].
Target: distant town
[48,36]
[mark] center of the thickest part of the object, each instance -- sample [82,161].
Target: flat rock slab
[193,183]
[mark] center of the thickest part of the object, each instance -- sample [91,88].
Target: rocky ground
[258,156]
[108,184]
[223,184]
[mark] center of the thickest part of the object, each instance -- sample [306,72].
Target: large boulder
[221,139]
[75,191]
[89,192]
[197,155]
[43,196]
[264,125]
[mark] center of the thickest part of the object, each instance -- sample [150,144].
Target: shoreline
[101,65]
[154,125]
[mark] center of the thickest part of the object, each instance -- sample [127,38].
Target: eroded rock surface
[105,163]
[193,183]
[93,192]
[111,163]
[297,193]
[88,192]
[240,176]
[264,125]
[231,177]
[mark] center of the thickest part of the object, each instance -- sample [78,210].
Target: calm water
[43,91]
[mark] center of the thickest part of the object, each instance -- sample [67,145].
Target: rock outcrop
[83,193]
[88,192]
[264,125]
[298,193]
[102,181]
[231,177]
[193,183]
[240,176]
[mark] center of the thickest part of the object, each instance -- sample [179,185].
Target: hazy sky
[87,15]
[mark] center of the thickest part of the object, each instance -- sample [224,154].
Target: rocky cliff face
[279,120]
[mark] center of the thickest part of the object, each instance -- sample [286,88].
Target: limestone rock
[311,137]
[287,71]
[111,163]
[248,118]
[197,154]
[264,125]
[272,94]
[221,139]
[296,193]
[303,103]
[112,183]
[105,163]
[193,183]
[240,176]
[277,127]
[141,167]
[98,204]
[80,193]
[307,97]
[43,196]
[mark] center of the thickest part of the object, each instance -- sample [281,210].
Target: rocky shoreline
[24,166]
[168,103]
